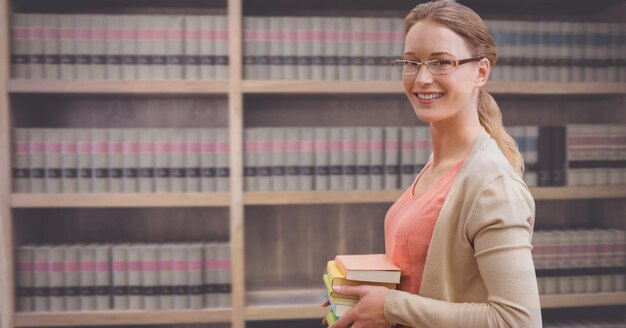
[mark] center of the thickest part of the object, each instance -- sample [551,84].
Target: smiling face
[452,95]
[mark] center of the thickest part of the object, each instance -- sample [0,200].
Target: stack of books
[353,270]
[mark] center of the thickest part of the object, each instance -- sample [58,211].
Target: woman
[462,232]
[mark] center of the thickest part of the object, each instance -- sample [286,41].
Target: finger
[324,322]
[326,303]
[350,290]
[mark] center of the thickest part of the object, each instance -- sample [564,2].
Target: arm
[500,229]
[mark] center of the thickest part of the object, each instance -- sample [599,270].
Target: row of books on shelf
[353,270]
[278,158]
[585,324]
[573,154]
[121,160]
[119,47]
[580,261]
[97,277]
[157,47]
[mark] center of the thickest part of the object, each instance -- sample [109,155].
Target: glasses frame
[456,63]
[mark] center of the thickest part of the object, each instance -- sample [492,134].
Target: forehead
[426,38]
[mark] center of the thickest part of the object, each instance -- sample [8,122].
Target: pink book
[368,268]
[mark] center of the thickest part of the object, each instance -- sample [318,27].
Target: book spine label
[53,160]
[307,159]
[21,161]
[25,278]
[292,161]
[20,35]
[349,148]
[69,160]
[87,278]
[50,29]
[224,275]
[175,48]
[208,160]
[71,271]
[336,153]
[250,160]
[392,154]
[103,277]
[166,278]
[196,292]
[277,49]
[407,156]
[36,52]
[362,158]
[115,160]
[162,165]
[264,167]
[181,277]
[178,172]
[221,48]
[193,163]
[146,171]
[377,152]
[130,167]
[119,277]
[98,43]
[207,61]
[85,160]
[210,258]
[113,47]
[130,46]
[100,160]
[149,277]
[159,46]
[135,277]
[191,44]
[56,279]
[41,279]
[322,163]
[222,160]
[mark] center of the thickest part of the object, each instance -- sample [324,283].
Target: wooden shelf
[580,300]
[272,198]
[119,200]
[320,197]
[390,196]
[291,86]
[562,193]
[117,318]
[291,304]
[118,87]
[395,87]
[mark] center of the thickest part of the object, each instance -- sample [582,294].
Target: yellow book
[331,318]
[338,279]
[337,299]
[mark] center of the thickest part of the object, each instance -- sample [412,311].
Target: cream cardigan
[479,271]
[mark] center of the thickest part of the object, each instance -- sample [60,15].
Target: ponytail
[490,118]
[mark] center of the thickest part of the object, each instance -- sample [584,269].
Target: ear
[484,69]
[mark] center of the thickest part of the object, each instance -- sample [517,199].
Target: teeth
[429,96]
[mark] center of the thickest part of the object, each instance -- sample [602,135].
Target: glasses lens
[404,66]
[440,66]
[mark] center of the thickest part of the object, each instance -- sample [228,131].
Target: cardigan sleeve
[500,230]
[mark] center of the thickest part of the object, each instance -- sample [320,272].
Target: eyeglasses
[435,67]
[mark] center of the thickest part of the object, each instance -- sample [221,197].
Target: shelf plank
[321,197]
[117,318]
[304,86]
[118,87]
[395,87]
[286,312]
[119,200]
[390,196]
[271,198]
[563,193]
[580,300]
[292,307]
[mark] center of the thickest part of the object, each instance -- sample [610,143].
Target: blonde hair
[467,24]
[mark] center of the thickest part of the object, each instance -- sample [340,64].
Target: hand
[368,311]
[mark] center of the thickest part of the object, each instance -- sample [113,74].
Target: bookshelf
[247,101]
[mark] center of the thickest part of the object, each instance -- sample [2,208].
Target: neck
[453,140]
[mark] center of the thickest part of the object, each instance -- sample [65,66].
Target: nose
[423,75]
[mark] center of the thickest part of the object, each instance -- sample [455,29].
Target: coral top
[409,226]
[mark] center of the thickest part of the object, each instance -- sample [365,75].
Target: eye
[410,63]
[442,63]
